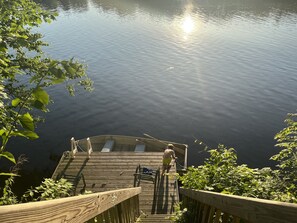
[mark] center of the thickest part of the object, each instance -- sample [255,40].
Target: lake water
[223,71]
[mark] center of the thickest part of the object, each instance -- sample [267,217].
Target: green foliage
[49,189]
[8,156]
[287,157]
[221,173]
[26,73]
[179,215]
[8,196]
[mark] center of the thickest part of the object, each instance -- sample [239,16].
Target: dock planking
[104,171]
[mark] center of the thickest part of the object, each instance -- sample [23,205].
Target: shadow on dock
[116,170]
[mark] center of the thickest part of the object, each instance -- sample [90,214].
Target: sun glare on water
[188,25]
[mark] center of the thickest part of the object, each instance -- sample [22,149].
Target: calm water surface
[224,71]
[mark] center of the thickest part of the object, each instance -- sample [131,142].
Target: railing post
[73,147]
[135,207]
[186,157]
[90,149]
[120,214]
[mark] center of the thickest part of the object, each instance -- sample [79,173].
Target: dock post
[90,149]
[73,147]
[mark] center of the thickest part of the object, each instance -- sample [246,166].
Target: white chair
[108,146]
[139,148]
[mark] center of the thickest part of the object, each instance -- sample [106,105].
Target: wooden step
[155,218]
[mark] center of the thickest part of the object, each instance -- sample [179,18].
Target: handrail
[186,157]
[212,205]
[71,209]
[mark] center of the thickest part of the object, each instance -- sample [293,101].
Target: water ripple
[219,71]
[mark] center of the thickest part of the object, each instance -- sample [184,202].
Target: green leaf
[2,62]
[3,134]
[26,133]
[2,48]
[27,121]
[58,73]
[15,102]
[38,105]
[9,174]
[2,131]
[8,156]
[41,96]
[69,69]
[57,80]
[30,134]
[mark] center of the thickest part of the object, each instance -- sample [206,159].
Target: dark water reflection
[221,70]
[223,9]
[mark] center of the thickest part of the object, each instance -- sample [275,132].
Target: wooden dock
[104,171]
[111,173]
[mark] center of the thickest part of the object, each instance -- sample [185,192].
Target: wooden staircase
[115,170]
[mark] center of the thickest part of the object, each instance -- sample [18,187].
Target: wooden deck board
[115,170]
[154,218]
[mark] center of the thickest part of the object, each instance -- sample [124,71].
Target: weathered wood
[103,172]
[106,216]
[218,216]
[236,219]
[128,142]
[186,157]
[200,211]
[211,214]
[100,218]
[196,210]
[225,218]
[71,209]
[250,209]
[205,213]
[156,218]
[125,212]
[119,211]
[115,169]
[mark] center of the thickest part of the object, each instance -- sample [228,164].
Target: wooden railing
[209,207]
[111,206]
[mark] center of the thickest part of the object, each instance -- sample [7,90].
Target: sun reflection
[188,24]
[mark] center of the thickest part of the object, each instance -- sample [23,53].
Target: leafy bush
[221,173]
[25,75]
[179,215]
[8,196]
[287,157]
[49,189]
